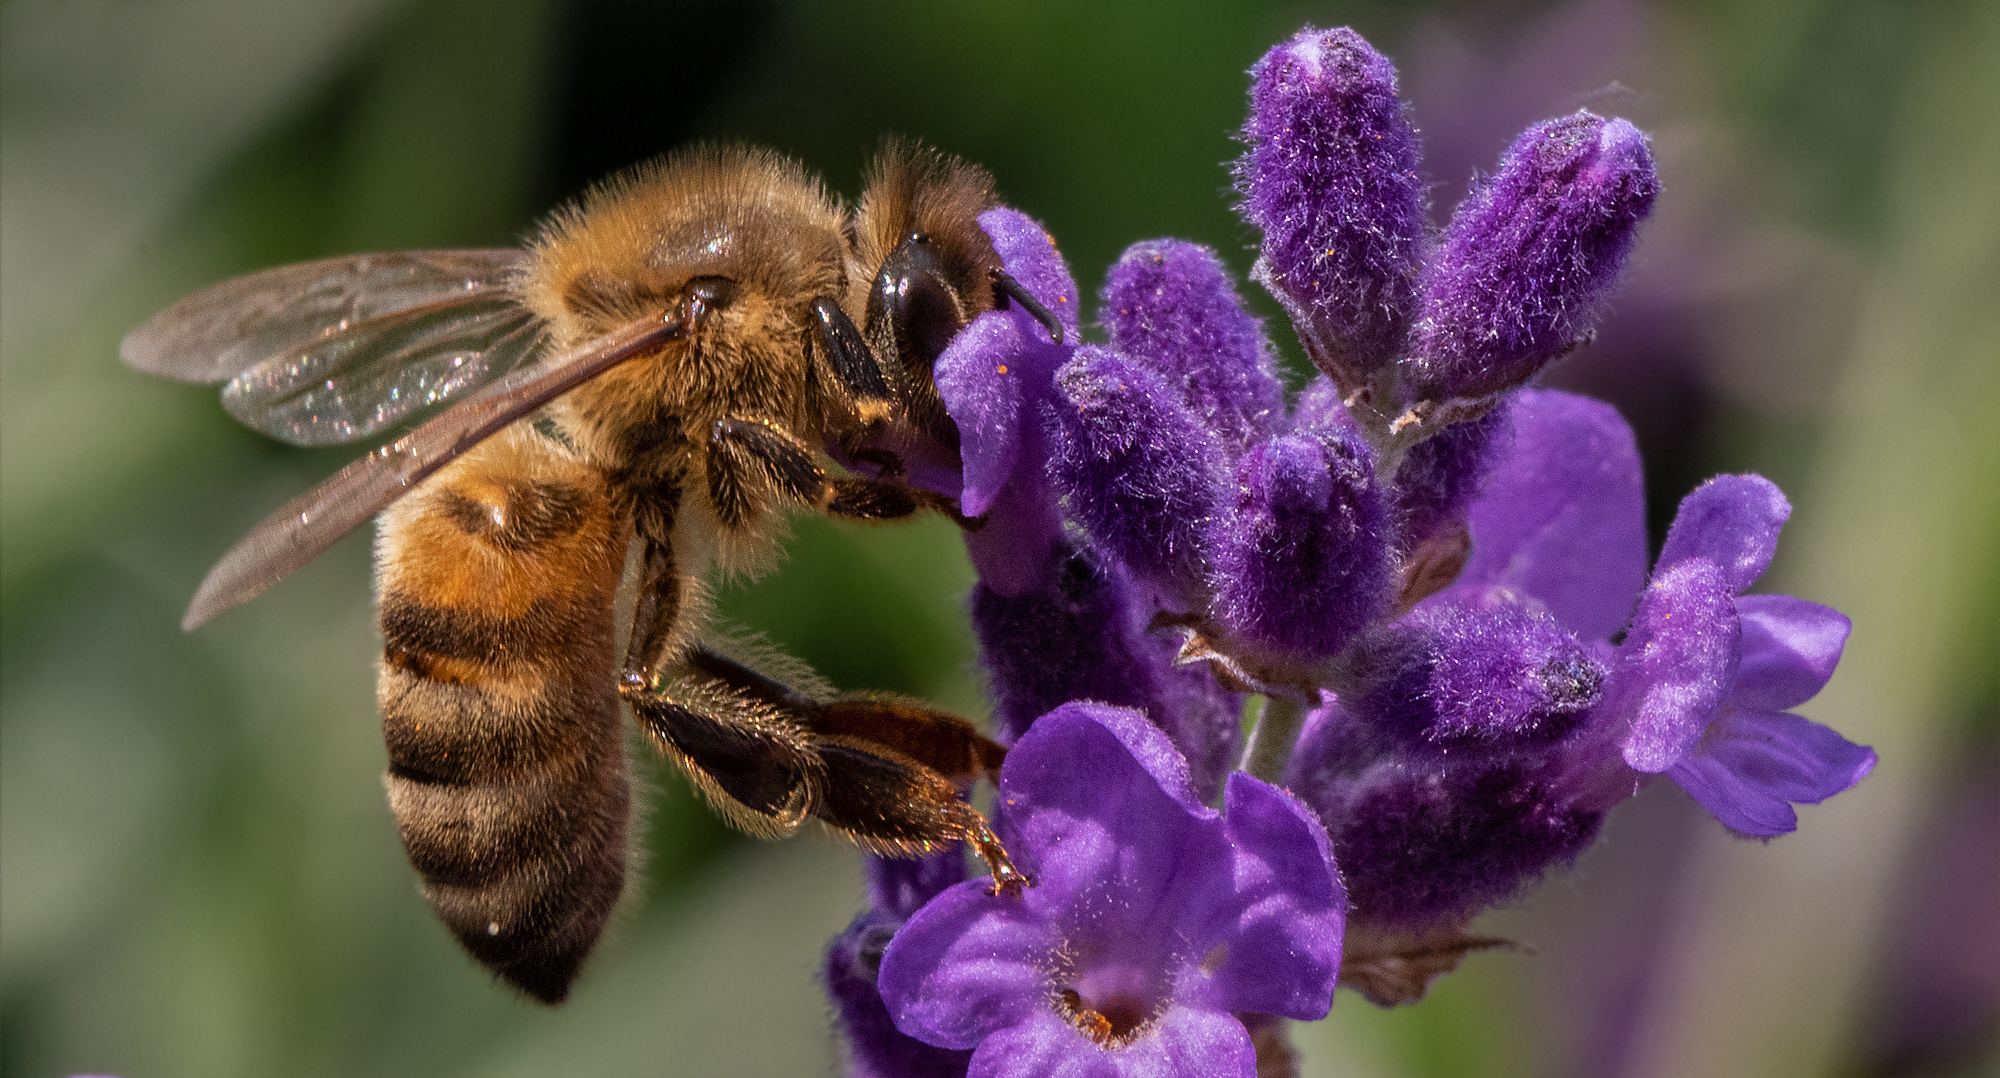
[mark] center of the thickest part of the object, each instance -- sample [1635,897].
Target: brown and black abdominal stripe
[506,769]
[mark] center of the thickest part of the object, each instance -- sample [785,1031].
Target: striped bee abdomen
[507,775]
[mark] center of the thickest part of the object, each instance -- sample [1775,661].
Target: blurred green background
[199,875]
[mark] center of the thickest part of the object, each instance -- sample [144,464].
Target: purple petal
[1562,516]
[1331,177]
[1283,954]
[968,964]
[1171,305]
[1530,256]
[1183,1041]
[1020,548]
[1135,467]
[1301,561]
[1790,648]
[1083,749]
[1733,521]
[1042,1044]
[979,377]
[1029,253]
[1790,757]
[1676,663]
[1740,805]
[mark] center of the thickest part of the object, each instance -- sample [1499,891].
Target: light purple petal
[1083,744]
[1793,758]
[1676,663]
[979,377]
[1283,953]
[1740,805]
[1562,516]
[1790,648]
[966,965]
[1043,1045]
[1016,552]
[1733,521]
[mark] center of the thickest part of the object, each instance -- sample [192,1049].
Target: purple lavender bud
[1426,836]
[1458,677]
[875,1047]
[1171,305]
[1083,638]
[1301,560]
[1331,178]
[1135,467]
[1418,846]
[1530,256]
[1441,475]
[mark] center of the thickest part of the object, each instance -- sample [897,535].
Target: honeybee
[658,378]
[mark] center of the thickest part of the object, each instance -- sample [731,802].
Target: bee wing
[220,332]
[329,352]
[309,524]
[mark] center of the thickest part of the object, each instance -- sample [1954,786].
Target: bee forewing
[307,525]
[373,374]
[222,331]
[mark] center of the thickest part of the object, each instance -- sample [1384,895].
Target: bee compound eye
[704,294]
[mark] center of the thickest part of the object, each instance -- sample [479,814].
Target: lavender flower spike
[1530,256]
[1331,177]
[1153,921]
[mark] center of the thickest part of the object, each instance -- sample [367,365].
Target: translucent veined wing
[327,352]
[370,375]
[306,526]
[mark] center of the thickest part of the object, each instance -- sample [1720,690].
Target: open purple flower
[1705,675]
[1153,920]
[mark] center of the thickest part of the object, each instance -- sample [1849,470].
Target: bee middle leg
[740,448]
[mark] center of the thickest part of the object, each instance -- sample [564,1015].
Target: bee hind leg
[889,769]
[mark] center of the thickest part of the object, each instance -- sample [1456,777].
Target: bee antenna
[1014,290]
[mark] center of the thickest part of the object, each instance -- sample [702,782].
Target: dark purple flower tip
[1439,476]
[1426,838]
[1331,177]
[1171,305]
[1561,517]
[1153,918]
[1676,663]
[1301,561]
[1530,256]
[1733,521]
[1135,467]
[1504,675]
[1754,765]
[875,1047]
